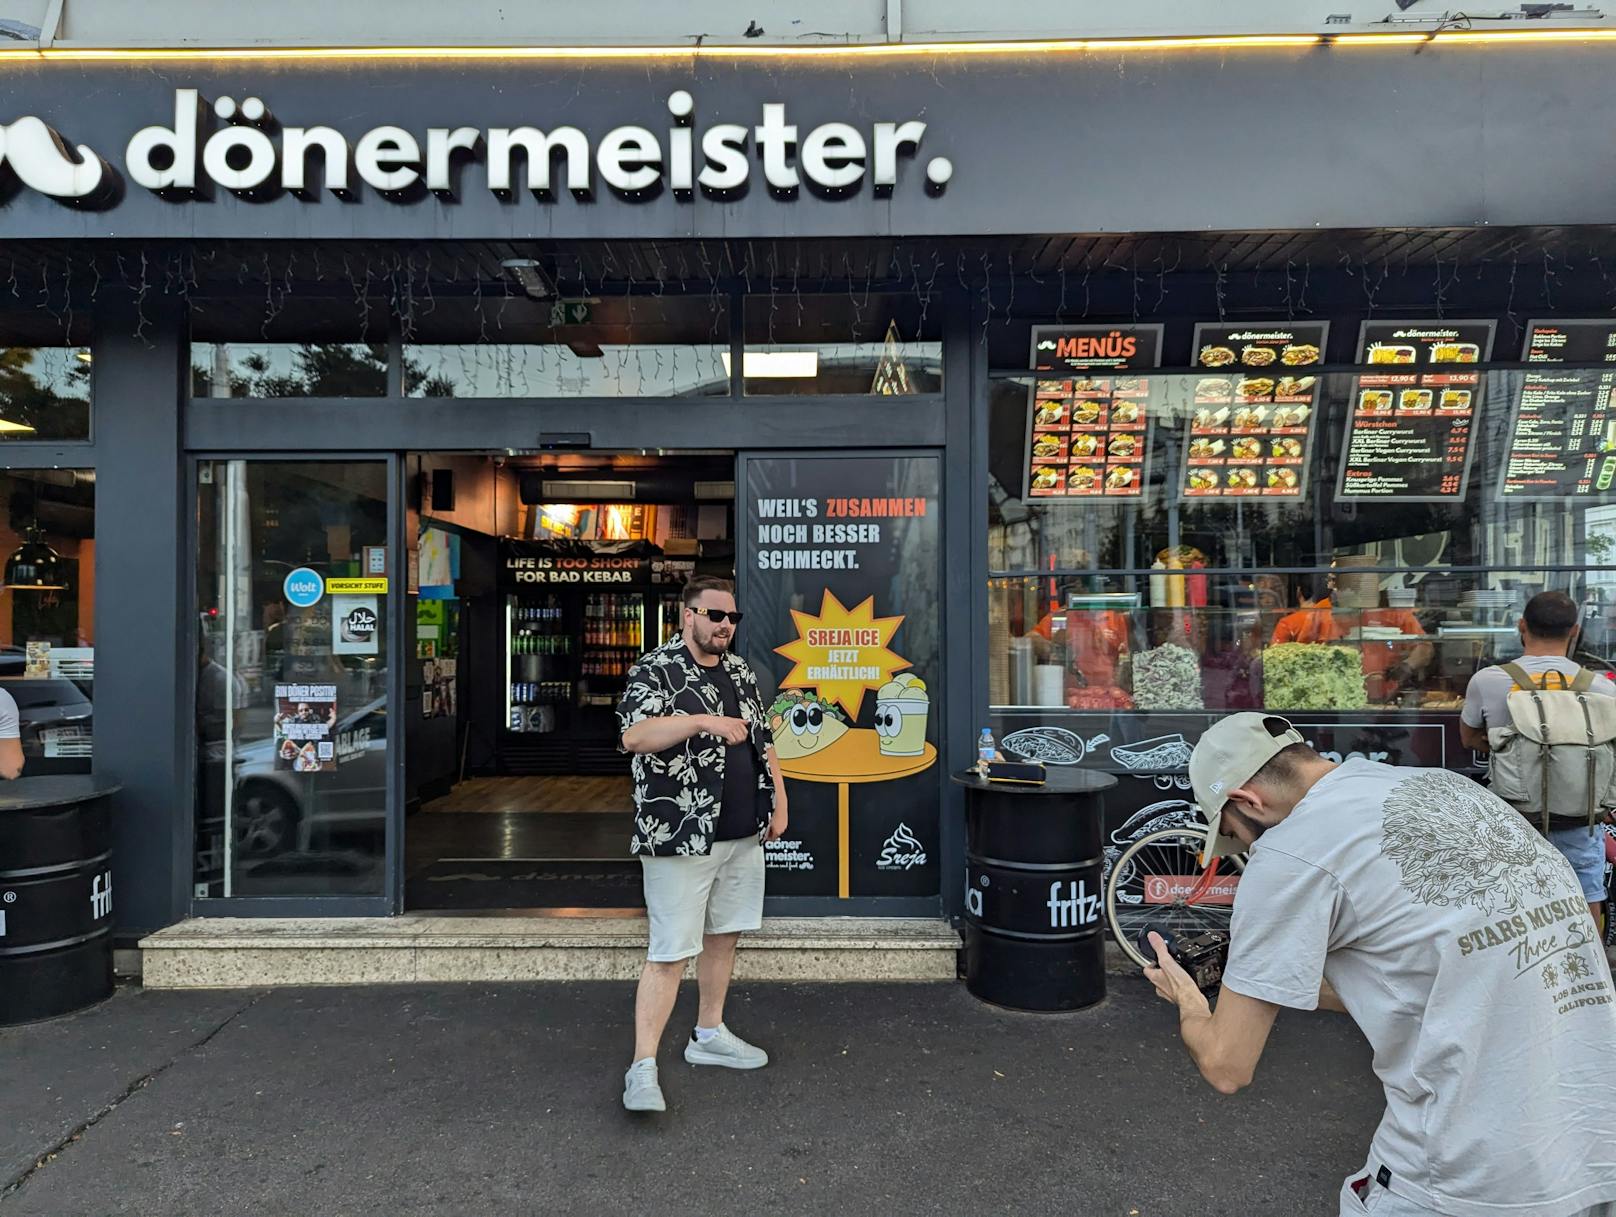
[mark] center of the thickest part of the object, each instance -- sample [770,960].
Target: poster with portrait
[305,728]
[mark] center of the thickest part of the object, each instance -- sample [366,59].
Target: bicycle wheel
[1159,880]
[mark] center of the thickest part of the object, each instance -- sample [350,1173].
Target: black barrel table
[55,896]
[1034,900]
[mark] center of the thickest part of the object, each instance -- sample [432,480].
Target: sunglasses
[718,616]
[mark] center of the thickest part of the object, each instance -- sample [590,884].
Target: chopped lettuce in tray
[1313,676]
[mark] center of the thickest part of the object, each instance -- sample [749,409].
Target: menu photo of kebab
[1203,482]
[1454,401]
[1375,401]
[1285,450]
[1084,445]
[1247,448]
[1216,356]
[1088,414]
[1240,481]
[1130,386]
[1295,388]
[1205,451]
[1122,448]
[1082,479]
[1127,414]
[1210,419]
[1214,389]
[1299,355]
[1290,420]
[1258,356]
[1282,480]
[1082,387]
[1123,478]
[1416,401]
[1248,418]
[1051,415]
[1046,479]
[1255,388]
[1049,446]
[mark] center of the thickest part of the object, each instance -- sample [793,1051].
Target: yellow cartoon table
[853,760]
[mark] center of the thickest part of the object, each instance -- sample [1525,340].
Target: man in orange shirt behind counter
[1384,662]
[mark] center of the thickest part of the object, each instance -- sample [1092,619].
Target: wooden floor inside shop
[524,843]
[562,793]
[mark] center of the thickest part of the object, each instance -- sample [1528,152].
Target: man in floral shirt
[707,795]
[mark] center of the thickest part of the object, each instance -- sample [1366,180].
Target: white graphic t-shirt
[1459,941]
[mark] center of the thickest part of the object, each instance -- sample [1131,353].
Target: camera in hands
[1202,955]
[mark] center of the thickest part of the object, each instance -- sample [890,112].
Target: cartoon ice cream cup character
[901,706]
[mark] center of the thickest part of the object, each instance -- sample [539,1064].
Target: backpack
[1556,761]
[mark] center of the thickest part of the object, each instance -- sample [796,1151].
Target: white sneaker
[726,1049]
[640,1089]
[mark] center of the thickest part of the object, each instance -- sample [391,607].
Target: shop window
[621,346]
[286,369]
[47,614]
[1340,546]
[853,343]
[44,393]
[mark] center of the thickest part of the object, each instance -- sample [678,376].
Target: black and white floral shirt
[677,791]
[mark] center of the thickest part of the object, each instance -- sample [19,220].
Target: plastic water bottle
[985,749]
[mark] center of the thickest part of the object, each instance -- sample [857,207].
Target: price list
[1250,429]
[1410,431]
[1562,439]
[1088,424]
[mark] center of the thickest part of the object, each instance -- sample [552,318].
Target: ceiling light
[9,427]
[35,567]
[777,365]
[528,275]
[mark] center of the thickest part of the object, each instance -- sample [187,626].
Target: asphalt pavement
[505,1099]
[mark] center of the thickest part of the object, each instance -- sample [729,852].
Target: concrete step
[235,952]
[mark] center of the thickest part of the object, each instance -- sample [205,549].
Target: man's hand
[730,730]
[1225,1045]
[779,821]
[1172,982]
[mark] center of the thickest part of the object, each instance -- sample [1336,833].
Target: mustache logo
[42,161]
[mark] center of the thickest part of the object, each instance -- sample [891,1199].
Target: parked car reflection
[285,819]
[54,714]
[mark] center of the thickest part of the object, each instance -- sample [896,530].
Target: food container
[1049,685]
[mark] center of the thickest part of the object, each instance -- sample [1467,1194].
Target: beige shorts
[720,893]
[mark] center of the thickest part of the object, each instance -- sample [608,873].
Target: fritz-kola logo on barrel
[245,149]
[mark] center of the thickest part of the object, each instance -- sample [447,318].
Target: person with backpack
[1548,726]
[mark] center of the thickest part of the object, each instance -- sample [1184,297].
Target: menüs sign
[244,149]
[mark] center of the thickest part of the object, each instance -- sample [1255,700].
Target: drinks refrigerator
[571,650]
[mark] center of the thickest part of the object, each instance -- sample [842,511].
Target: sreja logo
[41,160]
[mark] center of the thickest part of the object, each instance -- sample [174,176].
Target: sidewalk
[504,1099]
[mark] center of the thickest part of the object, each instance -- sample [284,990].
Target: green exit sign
[570,312]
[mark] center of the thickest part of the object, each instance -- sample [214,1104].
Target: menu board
[1562,439]
[1250,429]
[1088,435]
[1409,435]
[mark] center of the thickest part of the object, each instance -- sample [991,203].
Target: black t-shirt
[743,798]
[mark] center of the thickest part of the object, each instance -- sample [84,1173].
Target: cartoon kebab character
[804,723]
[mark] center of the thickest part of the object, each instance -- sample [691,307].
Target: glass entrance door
[293,738]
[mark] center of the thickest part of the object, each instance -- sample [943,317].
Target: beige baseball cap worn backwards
[1228,756]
